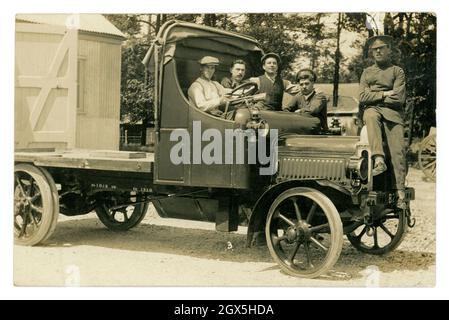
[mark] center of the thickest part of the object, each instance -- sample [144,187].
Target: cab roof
[174,32]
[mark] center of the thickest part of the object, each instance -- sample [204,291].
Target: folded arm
[367,96]
[397,98]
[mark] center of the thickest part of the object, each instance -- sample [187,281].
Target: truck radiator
[312,168]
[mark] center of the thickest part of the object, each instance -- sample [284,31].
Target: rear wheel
[118,217]
[36,205]
[304,232]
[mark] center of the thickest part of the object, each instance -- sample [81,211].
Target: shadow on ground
[207,244]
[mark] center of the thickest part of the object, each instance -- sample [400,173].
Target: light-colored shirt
[206,94]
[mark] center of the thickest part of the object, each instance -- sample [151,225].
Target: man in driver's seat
[206,94]
[237,72]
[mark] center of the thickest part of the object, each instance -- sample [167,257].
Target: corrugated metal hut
[67,81]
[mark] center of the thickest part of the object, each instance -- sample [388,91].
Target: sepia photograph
[292,149]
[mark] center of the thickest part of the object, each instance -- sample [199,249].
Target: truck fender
[257,220]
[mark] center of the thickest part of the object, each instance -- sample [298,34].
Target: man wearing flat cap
[309,103]
[272,84]
[204,93]
[382,96]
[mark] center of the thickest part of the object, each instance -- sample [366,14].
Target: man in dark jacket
[309,102]
[272,84]
[237,71]
[382,96]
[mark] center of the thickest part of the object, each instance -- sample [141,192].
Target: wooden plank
[36,150]
[118,154]
[34,156]
[96,164]
[37,81]
[39,28]
[83,160]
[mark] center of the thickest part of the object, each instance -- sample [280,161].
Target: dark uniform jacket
[374,81]
[314,105]
[230,84]
[274,91]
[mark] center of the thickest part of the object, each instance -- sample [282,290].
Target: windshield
[344,105]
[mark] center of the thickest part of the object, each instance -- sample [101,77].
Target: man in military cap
[204,93]
[309,102]
[382,96]
[272,84]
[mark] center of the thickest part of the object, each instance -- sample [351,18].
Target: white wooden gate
[45,86]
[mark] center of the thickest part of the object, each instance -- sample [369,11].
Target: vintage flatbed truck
[321,189]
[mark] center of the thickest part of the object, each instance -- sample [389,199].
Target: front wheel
[304,232]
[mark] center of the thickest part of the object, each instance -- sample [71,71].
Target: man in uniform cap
[204,93]
[272,84]
[309,103]
[382,96]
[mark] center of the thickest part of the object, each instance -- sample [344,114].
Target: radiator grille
[312,168]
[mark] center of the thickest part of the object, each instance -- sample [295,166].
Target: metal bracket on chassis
[410,221]
[148,199]
[386,199]
[375,198]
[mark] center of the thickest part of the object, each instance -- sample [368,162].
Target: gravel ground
[169,252]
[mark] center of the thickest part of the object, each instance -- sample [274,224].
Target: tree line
[330,43]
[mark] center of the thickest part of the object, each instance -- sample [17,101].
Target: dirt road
[167,252]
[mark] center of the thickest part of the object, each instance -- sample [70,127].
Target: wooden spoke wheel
[427,156]
[36,205]
[383,236]
[123,218]
[304,232]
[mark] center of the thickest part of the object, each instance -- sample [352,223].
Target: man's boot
[401,203]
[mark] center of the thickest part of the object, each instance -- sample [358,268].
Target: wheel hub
[304,231]
[292,234]
[299,232]
[21,203]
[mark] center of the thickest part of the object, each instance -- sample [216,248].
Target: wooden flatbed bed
[107,160]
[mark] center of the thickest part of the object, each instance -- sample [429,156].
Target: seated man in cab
[206,94]
[272,84]
[237,71]
[309,103]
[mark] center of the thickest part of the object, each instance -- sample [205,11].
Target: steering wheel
[247,89]
[244,90]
